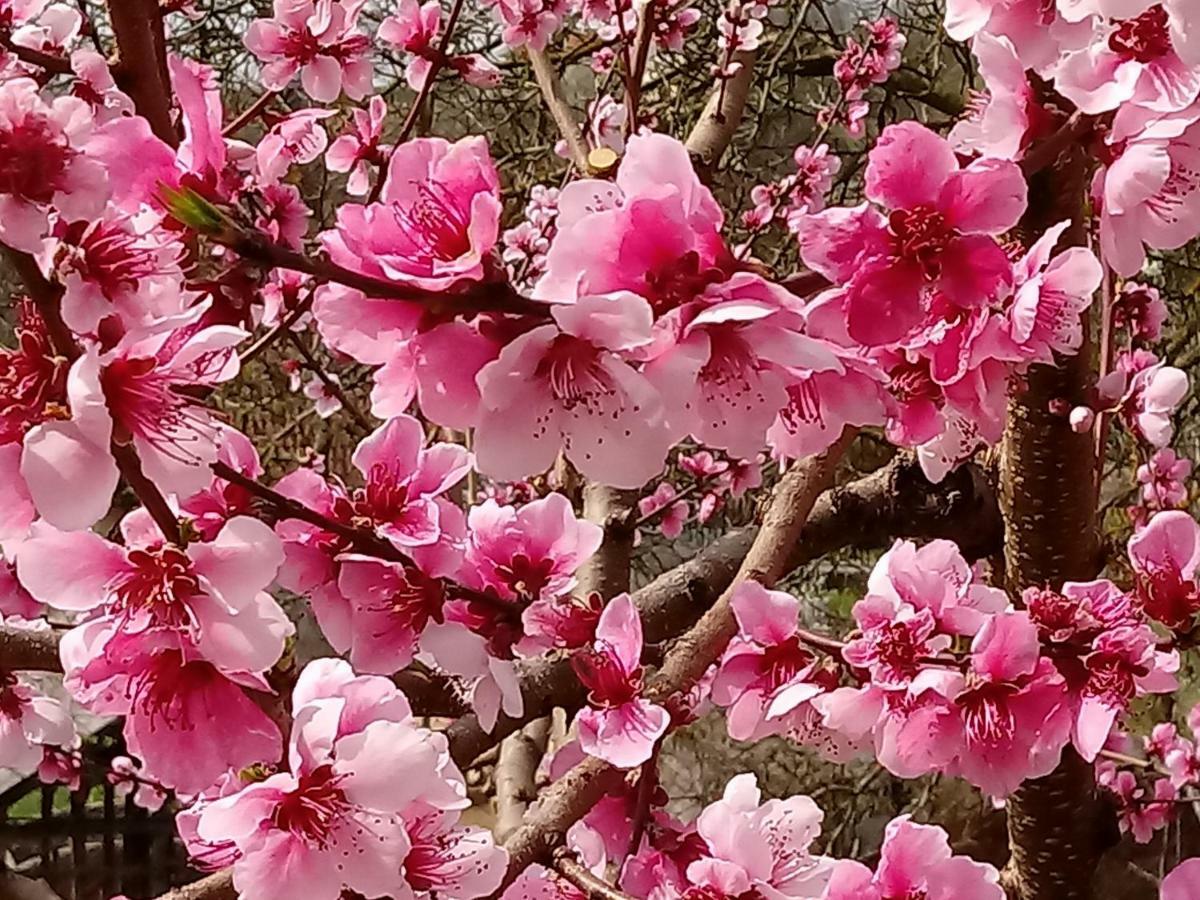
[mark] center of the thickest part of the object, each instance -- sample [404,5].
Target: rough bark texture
[141,69]
[607,572]
[516,787]
[21,648]
[214,887]
[1047,493]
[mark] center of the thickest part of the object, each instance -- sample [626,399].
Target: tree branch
[30,650]
[214,887]
[569,798]
[547,80]
[516,788]
[592,888]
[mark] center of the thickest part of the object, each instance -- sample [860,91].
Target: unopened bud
[1082,419]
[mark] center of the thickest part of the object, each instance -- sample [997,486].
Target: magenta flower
[1162,479]
[1015,718]
[414,28]
[447,860]
[619,725]
[937,234]
[1146,393]
[654,231]
[46,165]
[915,861]
[297,831]
[209,509]
[568,387]
[1003,121]
[320,40]
[1182,882]
[356,151]
[296,139]
[437,220]
[139,392]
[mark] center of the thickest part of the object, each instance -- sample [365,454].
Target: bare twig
[331,385]
[547,80]
[251,113]
[589,885]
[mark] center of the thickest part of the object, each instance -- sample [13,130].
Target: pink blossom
[126,779]
[937,234]
[758,846]
[1150,197]
[320,40]
[1146,392]
[414,28]
[491,683]
[116,265]
[527,554]
[567,387]
[766,674]
[1162,479]
[47,165]
[356,151]
[296,139]
[654,231]
[390,606]
[916,861]
[437,220]
[1140,812]
[529,23]
[1005,119]
[1015,718]
[1165,555]
[211,507]
[339,801]
[619,725]
[33,378]
[449,860]
[29,722]
[1129,61]
[677,511]
[95,85]
[135,393]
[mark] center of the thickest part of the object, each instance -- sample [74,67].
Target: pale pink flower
[298,831]
[127,779]
[1008,115]
[356,151]
[137,392]
[448,860]
[47,165]
[33,378]
[325,401]
[211,507]
[529,23]
[491,683]
[95,85]
[1149,197]
[566,387]
[437,220]
[766,674]
[296,139]
[937,234]
[530,553]
[619,725]
[1162,479]
[760,847]
[1140,811]
[1146,393]
[320,40]
[29,722]
[672,521]
[916,861]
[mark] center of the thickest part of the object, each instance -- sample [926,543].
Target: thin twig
[588,884]
[251,113]
[547,81]
[331,385]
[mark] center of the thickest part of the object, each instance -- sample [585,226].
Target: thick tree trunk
[1048,497]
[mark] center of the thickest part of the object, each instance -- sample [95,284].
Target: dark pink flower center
[163,692]
[909,382]
[679,281]
[987,716]
[781,663]
[898,647]
[312,809]
[385,497]
[12,704]
[804,406]
[1110,678]
[1143,39]
[32,380]
[526,578]
[1168,598]
[921,235]
[434,223]
[157,586]
[301,45]
[608,683]
[148,402]
[109,256]
[33,160]
[416,599]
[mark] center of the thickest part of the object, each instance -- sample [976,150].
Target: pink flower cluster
[1062,670]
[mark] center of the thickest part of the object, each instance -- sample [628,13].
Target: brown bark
[214,887]
[607,572]
[141,70]
[29,650]
[1047,493]
[516,770]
